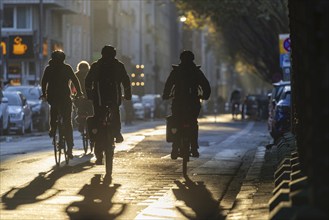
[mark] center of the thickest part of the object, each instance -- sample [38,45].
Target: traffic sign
[285,60]
[284,43]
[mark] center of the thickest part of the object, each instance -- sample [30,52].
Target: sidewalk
[252,202]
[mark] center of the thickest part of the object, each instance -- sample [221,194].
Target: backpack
[107,87]
[186,84]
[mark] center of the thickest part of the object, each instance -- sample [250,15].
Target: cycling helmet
[186,55]
[58,55]
[83,66]
[109,51]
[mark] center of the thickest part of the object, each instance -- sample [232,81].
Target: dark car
[282,114]
[40,108]
[255,107]
[276,93]
[250,107]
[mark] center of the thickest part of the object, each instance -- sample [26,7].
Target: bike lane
[136,193]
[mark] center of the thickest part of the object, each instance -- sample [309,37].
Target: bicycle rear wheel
[65,149]
[185,152]
[108,154]
[85,140]
[57,149]
[62,144]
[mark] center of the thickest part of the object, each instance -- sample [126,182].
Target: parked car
[139,110]
[282,114]
[154,106]
[276,93]
[20,112]
[4,114]
[135,99]
[40,108]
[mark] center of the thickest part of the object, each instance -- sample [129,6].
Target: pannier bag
[171,129]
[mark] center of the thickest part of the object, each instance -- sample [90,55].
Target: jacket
[187,82]
[105,80]
[55,82]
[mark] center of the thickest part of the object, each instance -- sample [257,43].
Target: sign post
[285,49]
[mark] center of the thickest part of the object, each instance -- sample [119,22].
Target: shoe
[99,162]
[107,179]
[51,133]
[119,138]
[195,153]
[80,129]
[174,153]
[69,153]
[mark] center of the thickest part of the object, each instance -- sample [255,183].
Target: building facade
[31,29]
[148,35]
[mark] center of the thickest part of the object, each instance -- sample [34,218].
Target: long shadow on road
[199,199]
[33,191]
[97,202]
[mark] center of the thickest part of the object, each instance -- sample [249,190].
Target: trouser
[181,110]
[63,107]
[102,135]
[103,141]
[99,114]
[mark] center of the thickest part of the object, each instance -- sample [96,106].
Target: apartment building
[145,34]
[32,29]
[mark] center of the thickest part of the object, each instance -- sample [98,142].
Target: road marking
[165,207]
[231,139]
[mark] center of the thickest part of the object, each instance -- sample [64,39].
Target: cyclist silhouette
[103,86]
[84,106]
[187,84]
[55,84]
[235,100]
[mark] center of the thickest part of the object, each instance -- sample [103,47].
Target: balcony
[66,6]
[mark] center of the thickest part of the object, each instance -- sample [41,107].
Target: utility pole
[40,42]
[2,61]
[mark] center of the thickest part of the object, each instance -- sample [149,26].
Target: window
[8,20]
[17,17]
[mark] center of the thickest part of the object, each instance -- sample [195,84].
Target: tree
[249,29]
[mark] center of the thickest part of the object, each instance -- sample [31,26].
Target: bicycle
[59,141]
[181,133]
[83,109]
[235,110]
[105,140]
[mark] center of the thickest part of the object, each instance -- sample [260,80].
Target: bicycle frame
[105,140]
[84,134]
[184,142]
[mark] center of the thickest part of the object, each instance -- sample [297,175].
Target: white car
[4,114]
[20,112]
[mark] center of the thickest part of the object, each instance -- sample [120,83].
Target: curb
[290,198]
